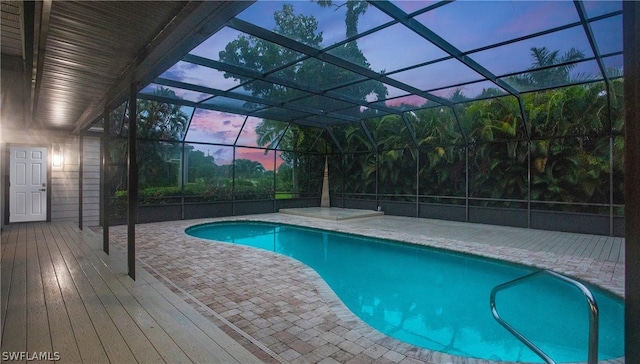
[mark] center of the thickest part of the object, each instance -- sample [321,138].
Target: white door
[28,184]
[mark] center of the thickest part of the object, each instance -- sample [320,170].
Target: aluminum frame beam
[270,36]
[287,83]
[395,12]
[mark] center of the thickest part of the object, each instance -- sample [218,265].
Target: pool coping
[562,264]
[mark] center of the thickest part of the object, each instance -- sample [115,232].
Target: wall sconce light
[58,156]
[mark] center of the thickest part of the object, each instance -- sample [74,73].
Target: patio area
[283,312]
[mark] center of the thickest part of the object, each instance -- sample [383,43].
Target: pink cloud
[413,100]
[214,127]
[257,155]
[248,136]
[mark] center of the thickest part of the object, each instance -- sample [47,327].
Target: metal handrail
[593,315]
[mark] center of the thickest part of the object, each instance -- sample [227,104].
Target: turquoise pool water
[437,299]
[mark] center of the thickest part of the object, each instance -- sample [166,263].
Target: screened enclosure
[501,112]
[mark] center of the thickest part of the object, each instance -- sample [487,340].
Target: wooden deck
[62,295]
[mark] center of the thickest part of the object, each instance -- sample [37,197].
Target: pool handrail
[593,315]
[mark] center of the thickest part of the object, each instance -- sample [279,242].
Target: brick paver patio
[283,312]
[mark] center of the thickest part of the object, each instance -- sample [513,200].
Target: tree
[201,166]
[159,161]
[355,8]
[284,178]
[458,96]
[262,56]
[246,168]
[556,68]
[161,120]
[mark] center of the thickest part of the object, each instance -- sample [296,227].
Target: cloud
[413,100]
[199,75]
[214,127]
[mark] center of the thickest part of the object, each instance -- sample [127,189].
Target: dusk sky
[467,25]
[210,126]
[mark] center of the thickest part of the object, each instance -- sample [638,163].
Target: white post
[324,202]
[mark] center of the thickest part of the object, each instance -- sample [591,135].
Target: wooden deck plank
[187,335]
[606,248]
[617,247]
[162,342]
[621,254]
[16,312]
[135,338]
[585,247]
[197,337]
[62,337]
[536,240]
[38,335]
[576,248]
[9,237]
[562,244]
[614,255]
[599,245]
[121,285]
[112,341]
[222,343]
[225,342]
[544,241]
[590,245]
[87,339]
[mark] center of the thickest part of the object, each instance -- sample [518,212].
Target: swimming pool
[438,299]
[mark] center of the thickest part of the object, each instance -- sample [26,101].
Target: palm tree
[548,68]
[272,132]
[165,122]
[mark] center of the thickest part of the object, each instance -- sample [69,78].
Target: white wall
[64,187]
[91,182]
[1,182]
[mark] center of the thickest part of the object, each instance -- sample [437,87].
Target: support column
[106,136]
[80,174]
[132,190]
[631,30]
